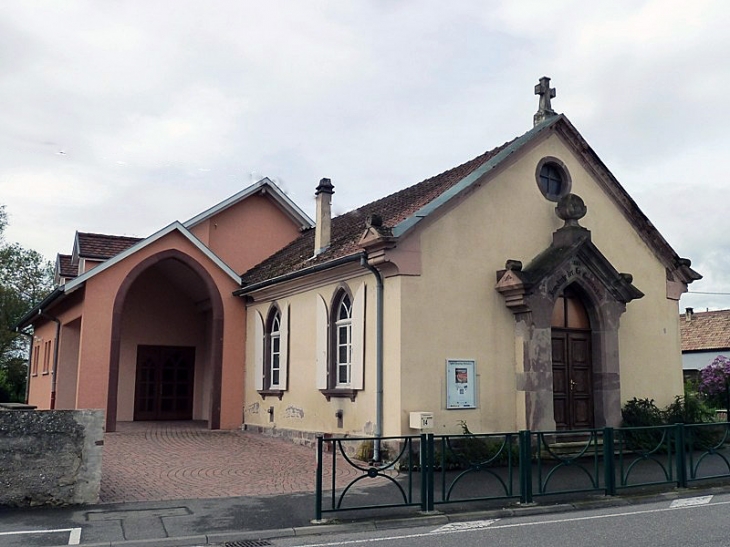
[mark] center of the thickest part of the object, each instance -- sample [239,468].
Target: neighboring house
[149,328]
[705,336]
[496,308]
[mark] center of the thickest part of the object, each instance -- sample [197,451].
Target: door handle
[572,385]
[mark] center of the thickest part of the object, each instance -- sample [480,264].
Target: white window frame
[343,325]
[274,354]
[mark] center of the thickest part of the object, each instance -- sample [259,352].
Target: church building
[521,289]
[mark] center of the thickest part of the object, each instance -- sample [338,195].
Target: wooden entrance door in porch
[165,382]
[572,367]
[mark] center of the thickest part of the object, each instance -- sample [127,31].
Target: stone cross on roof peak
[545,110]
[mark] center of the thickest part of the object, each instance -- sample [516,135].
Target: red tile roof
[65,266]
[348,228]
[706,330]
[102,246]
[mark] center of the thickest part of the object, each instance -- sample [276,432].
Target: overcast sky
[120,117]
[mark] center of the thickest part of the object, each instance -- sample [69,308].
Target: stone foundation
[50,457]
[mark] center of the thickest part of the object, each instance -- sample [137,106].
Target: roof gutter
[38,309]
[378,354]
[300,273]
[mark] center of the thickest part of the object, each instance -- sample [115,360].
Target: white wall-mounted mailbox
[421,420]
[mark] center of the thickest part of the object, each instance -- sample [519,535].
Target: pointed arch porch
[215,337]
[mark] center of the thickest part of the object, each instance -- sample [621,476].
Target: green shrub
[690,409]
[641,412]
[366,451]
[471,450]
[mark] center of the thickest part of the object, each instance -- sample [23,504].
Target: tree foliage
[25,279]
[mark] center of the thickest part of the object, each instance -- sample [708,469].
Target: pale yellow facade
[440,303]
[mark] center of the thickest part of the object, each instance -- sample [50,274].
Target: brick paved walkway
[146,461]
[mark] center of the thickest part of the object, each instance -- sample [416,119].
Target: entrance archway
[572,363]
[176,272]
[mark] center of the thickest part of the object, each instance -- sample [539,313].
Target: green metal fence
[430,470]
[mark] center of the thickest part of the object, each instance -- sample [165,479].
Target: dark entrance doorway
[572,366]
[165,381]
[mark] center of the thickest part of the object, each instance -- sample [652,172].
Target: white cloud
[164,108]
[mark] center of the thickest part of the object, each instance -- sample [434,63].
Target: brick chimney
[323,228]
[688,312]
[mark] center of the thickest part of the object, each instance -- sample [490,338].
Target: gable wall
[247,232]
[453,311]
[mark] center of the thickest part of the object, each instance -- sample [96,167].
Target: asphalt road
[688,522]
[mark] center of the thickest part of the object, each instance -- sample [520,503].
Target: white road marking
[75,536]
[73,539]
[514,525]
[461,526]
[688,502]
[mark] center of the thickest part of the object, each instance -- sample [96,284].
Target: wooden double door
[165,383]
[572,379]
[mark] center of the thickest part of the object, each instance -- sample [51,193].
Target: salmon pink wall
[247,232]
[44,330]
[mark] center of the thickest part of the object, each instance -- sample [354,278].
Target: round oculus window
[553,179]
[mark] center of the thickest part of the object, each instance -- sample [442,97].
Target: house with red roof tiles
[705,336]
[148,328]
[523,288]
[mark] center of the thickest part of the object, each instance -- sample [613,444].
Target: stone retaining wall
[50,457]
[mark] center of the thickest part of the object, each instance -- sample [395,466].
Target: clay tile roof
[101,246]
[65,267]
[348,228]
[707,330]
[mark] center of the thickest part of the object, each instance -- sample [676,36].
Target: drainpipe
[378,355]
[55,356]
[30,364]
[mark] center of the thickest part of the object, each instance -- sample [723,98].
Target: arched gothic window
[342,341]
[273,350]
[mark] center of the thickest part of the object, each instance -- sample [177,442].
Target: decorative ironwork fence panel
[427,470]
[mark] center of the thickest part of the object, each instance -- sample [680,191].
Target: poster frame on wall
[460,383]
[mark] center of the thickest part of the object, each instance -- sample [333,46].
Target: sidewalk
[153,461]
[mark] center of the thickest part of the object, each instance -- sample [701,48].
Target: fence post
[680,448]
[525,450]
[318,485]
[609,464]
[423,456]
[431,455]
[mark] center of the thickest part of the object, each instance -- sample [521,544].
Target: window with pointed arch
[271,350]
[342,340]
[272,367]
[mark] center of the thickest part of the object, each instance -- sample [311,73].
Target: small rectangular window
[36,354]
[46,357]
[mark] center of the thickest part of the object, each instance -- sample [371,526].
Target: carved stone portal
[572,260]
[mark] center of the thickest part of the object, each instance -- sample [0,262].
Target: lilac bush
[714,378]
